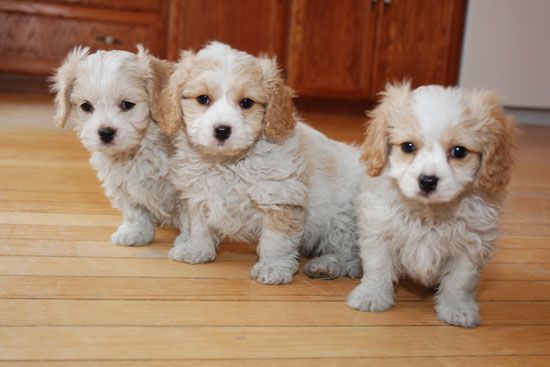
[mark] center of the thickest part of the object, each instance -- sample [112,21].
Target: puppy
[249,169]
[111,97]
[444,157]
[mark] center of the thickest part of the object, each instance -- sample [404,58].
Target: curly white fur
[135,165]
[284,192]
[441,238]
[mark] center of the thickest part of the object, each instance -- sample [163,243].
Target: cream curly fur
[444,237]
[134,166]
[274,180]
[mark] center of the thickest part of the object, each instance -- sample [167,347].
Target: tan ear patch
[375,148]
[279,119]
[62,84]
[169,106]
[498,156]
[161,71]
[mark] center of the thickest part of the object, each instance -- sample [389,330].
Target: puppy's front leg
[137,229]
[278,247]
[197,247]
[455,299]
[375,293]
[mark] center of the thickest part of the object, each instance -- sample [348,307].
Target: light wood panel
[69,297]
[474,361]
[251,313]
[267,342]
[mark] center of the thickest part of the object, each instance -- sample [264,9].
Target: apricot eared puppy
[249,169]
[441,158]
[111,98]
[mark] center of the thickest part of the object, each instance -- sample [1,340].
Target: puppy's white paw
[133,234]
[190,253]
[464,313]
[365,298]
[266,273]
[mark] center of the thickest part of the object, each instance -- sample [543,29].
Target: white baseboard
[528,116]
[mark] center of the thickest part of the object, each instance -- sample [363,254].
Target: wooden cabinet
[420,40]
[330,44]
[351,48]
[328,48]
[250,25]
[36,35]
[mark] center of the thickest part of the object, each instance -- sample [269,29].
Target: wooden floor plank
[105,249]
[302,289]
[267,342]
[471,361]
[521,252]
[251,313]
[238,269]
[62,232]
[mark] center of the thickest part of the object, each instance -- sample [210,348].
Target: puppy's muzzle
[222,132]
[106,134]
[427,183]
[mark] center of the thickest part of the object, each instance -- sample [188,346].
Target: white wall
[507,47]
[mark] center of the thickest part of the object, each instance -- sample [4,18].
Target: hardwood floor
[68,297]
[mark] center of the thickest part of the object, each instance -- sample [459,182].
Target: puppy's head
[435,141]
[226,100]
[110,96]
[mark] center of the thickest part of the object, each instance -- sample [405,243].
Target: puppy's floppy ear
[62,84]
[278,119]
[156,73]
[375,147]
[500,132]
[169,107]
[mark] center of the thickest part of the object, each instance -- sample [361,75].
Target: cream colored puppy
[444,157]
[250,170]
[111,98]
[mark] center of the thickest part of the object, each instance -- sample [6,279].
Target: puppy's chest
[143,180]
[224,196]
[427,245]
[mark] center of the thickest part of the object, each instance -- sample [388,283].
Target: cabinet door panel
[36,44]
[329,47]
[420,40]
[250,25]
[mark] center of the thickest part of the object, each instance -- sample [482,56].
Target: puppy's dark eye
[459,152]
[246,103]
[203,99]
[126,105]
[408,147]
[87,107]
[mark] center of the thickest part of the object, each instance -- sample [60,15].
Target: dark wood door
[250,25]
[420,40]
[330,46]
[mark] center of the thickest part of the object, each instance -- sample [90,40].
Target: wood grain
[35,36]
[249,25]
[266,342]
[474,361]
[68,297]
[420,40]
[330,47]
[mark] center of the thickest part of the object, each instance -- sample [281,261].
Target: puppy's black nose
[427,183]
[106,134]
[222,132]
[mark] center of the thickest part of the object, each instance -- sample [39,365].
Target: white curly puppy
[111,97]
[251,170]
[444,156]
